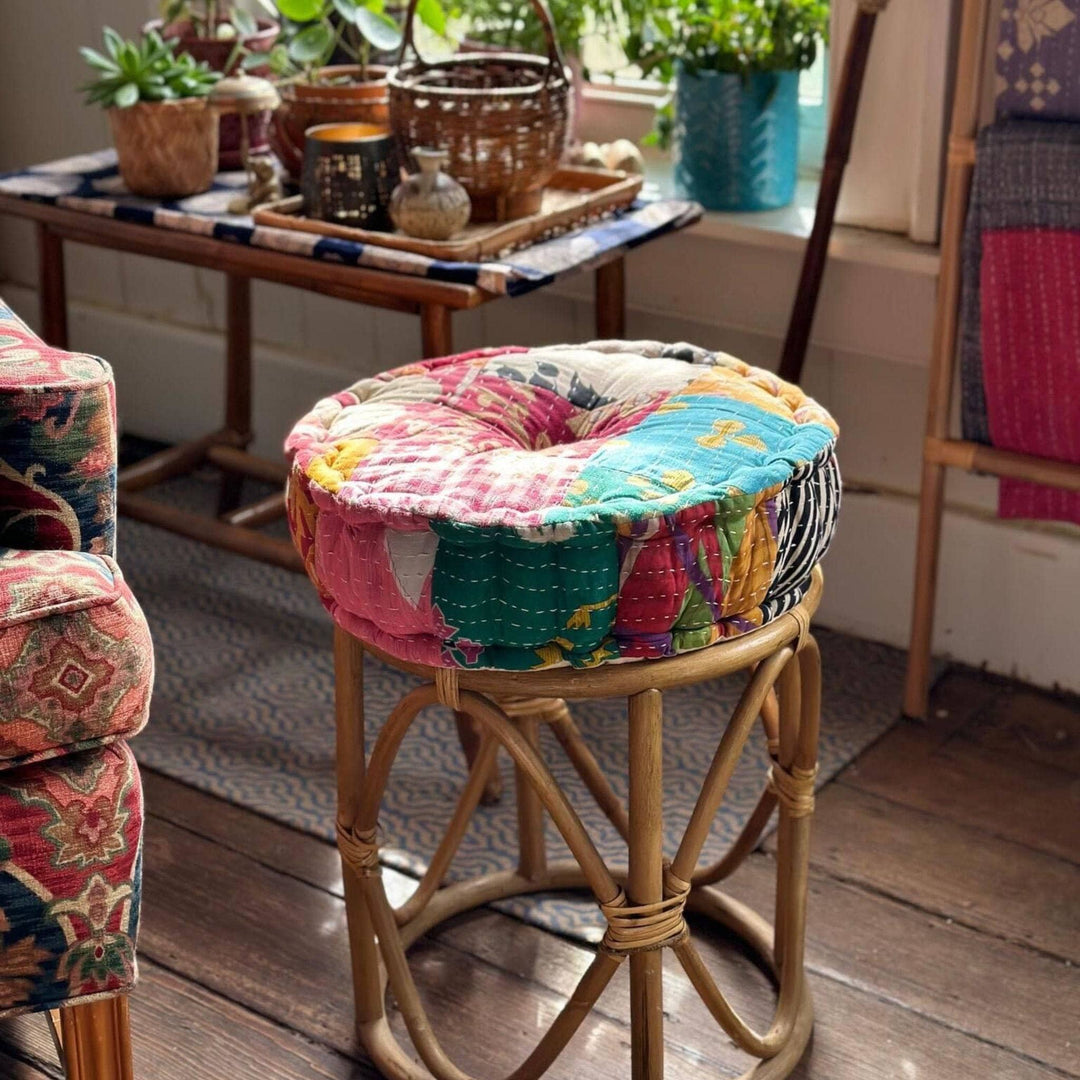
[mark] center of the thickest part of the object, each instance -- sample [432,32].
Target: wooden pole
[436,337]
[645,881]
[52,289]
[237,380]
[960,167]
[837,152]
[611,300]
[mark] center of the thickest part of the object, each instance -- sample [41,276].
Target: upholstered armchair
[76,669]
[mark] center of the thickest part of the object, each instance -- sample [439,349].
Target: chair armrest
[57,445]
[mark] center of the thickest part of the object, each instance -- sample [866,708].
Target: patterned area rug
[243,709]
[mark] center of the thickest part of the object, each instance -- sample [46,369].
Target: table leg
[52,291]
[237,380]
[435,331]
[611,300]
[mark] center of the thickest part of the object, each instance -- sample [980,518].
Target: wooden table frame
[236,527]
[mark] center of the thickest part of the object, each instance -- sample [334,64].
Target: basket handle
[556,63]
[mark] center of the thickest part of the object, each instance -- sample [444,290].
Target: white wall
[1007,591]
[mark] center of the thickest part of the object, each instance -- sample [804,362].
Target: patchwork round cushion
[519,508]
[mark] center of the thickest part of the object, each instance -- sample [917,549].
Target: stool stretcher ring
[645,907]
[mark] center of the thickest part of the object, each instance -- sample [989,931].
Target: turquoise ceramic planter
[737,139]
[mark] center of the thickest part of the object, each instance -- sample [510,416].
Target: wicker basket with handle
[502,118]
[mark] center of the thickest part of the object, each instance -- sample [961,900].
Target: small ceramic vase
[430,205]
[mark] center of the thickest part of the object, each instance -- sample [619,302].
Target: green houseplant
[217,33]
[223,35]
[165,133]
[315,90]
[735,64]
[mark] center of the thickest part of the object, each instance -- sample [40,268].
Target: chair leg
[349,720]
[645,881]
[469,735]
[931,506]
[97,1040]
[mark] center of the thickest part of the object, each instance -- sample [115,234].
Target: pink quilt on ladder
[1030,286]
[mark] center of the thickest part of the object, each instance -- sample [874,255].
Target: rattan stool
[520,527]
[644,912]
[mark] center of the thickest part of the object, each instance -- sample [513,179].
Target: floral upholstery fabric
[57,445]
[514,508]
[70,847]
[76,668]
[76,663]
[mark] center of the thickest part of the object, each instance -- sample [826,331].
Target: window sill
[788,228]
[609,112]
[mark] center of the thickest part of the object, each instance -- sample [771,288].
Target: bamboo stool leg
[645,881]
[349,709]
[96,1039]
[645,909]
[469,736]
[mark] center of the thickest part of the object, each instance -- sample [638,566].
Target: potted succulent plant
[316,91]
[166,134]
[735,120]
[223,36]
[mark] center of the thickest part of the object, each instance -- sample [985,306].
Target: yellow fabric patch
[582,617]
[335,466]
[751,571]
[677,479]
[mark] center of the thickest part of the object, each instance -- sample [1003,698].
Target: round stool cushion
[519,508]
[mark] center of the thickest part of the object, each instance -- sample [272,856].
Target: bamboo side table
[645,907]
[236,527]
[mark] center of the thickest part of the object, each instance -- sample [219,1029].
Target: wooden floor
[943,945]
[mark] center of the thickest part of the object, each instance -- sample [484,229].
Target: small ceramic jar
[430,205]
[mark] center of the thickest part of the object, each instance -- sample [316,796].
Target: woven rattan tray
[573,198]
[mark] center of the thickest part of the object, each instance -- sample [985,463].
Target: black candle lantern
[349,173]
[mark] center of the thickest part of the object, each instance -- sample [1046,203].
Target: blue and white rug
[243,709]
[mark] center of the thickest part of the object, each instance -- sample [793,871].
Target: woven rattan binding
[502,118]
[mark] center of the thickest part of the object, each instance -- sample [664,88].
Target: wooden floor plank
[238,829]
[856,937]
[278,946]
[1027,801]
[939,909]
[14,1068]
[181,1031]
[302,980]
[859,1037]
[952,870]
[959,977]
[1029,725]
[1000,992]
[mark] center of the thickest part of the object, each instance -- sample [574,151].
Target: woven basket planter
[166,149]
[305,105]
[502,118]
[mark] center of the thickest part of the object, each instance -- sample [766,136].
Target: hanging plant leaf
[245,23]
[379,29]
[312,44]
[300,11]
[347,9]
[431,14]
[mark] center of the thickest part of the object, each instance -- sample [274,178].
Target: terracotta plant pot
[304,105]
[166,149]
[216,53]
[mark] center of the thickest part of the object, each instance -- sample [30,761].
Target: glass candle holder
[350,171]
